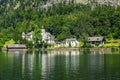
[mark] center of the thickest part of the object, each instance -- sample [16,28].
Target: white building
[28,36]
[72,42]
[96,41]
[46,36]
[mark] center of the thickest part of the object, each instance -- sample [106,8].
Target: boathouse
[16,46]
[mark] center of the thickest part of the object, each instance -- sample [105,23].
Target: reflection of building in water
[52,60]
[31,61]
[100,50]
[71,58]
[74,58]
[48,62]
[96,61]
[27,64]
[17,51]
[23,64]
[65,52]
[44,64]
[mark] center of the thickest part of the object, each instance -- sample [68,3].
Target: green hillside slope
[62,20]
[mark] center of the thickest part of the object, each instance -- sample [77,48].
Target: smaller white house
[72,42]
[27,36]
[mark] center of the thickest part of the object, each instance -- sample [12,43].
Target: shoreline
[80,49]
[84,50]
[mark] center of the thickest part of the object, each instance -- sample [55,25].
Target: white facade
[71,42]
[28,36]
[47,37]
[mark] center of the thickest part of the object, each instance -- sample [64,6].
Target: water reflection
[59,65]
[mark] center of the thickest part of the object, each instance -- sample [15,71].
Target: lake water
[59,65]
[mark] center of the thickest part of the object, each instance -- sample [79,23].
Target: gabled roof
[16,46]
[30,33]
[95,38]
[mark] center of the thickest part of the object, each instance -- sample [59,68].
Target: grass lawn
[112,43]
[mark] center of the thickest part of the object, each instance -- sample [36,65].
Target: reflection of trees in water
[48,63]
[56,65]
[86,51]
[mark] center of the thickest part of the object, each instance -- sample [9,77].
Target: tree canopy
[61,20]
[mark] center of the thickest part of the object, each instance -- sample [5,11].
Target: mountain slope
[62,20]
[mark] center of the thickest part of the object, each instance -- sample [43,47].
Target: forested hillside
[62,20]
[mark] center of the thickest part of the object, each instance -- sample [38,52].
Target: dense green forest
[62,20]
